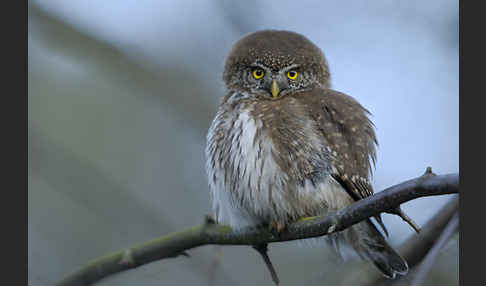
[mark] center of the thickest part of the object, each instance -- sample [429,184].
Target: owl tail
[370,244]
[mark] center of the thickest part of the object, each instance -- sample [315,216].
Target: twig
[399,212]
[263,250]
[173,244]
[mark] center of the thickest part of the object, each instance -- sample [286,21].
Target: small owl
[284,146]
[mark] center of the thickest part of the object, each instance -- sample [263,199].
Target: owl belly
[250,183]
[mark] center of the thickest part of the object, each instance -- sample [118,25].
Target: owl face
[265,82]
[269,64]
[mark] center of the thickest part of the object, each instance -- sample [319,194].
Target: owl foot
[277,227]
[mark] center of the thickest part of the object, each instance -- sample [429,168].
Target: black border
[14,142]
[471,124]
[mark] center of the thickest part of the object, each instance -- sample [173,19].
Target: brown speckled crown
[277,49]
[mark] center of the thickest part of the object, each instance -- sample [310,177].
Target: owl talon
[277,227]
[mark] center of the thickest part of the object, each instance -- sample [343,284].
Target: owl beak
[275,90]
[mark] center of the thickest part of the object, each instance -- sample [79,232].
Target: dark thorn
[428,172]
[398,211]
[263,250]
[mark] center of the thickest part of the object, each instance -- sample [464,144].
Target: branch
[174,244]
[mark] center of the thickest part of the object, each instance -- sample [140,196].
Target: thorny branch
[176,243]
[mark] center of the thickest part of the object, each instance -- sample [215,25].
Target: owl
[283,145]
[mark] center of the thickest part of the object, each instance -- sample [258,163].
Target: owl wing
[350,137]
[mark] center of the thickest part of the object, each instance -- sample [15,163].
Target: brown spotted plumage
[283,145]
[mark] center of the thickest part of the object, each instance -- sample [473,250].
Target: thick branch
[174,244]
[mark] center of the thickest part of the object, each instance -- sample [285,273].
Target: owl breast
[265,164]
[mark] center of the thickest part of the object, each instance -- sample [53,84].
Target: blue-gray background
[121,94]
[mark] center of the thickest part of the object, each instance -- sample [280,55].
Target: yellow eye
[258,73]
[292,74]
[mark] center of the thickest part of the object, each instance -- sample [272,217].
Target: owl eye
[292,74]
[258,73]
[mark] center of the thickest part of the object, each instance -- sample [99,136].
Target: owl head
[269,64]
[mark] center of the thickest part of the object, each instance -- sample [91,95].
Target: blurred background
[121,94]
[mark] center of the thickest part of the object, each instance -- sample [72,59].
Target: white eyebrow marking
[257,64]
[293,66]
